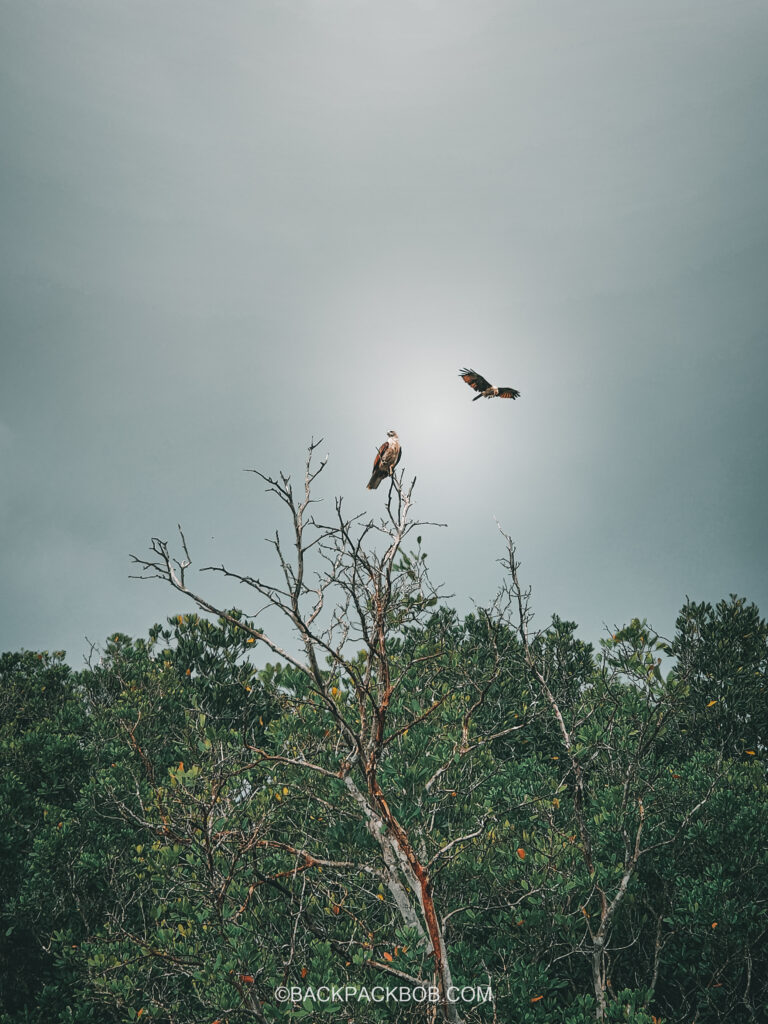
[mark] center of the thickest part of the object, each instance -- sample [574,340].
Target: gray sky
[227,227]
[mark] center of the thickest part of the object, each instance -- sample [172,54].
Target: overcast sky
[228,227]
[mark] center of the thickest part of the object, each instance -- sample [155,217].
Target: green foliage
[722,661]
[180,837]
[55,881]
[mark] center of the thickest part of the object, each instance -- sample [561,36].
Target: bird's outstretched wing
[475,380]
[484,388]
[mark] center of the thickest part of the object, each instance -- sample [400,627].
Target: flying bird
[387,457]
[486,390]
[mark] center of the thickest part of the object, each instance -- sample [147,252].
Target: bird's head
[391,433]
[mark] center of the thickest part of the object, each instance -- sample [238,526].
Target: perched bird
[486,390]
[387,457]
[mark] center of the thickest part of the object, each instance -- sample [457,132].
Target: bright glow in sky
[228,228]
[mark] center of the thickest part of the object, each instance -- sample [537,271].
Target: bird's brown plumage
[387,457]
[478,383]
